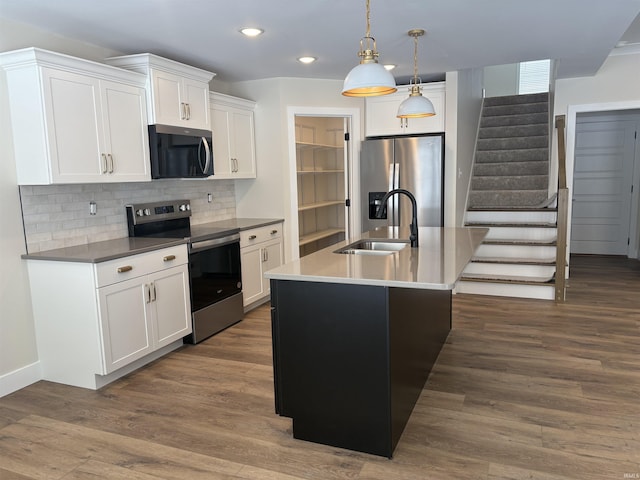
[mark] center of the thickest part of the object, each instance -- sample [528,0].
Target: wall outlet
[93,208]
[209,198]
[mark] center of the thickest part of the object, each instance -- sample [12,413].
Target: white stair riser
[517,270]
[516,251]
[502,216]
[521,233]
[542,292]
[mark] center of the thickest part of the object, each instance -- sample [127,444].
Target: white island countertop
[436,264]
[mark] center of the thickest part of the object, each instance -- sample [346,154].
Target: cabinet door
[243,143]
[196,95]
[272,254]
[168,103]
[171,305]
[74,126]
[221,142]
[125,322]
[125,132]
[252,284]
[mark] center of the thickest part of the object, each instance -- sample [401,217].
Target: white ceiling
[460,33]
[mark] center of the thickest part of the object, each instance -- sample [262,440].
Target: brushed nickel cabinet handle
[111,165]
[105,167]
[126,268]
[168,258]
[252,237]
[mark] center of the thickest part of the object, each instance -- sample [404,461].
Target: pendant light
[369,78]
[416,105]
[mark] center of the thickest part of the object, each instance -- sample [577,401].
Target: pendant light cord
[415,59]
[368,34]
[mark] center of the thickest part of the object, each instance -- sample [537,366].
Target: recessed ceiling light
[307,59]
[251,31]
[389,66]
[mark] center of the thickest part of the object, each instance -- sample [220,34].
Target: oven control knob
[139,212]
[147,211]
[184,207]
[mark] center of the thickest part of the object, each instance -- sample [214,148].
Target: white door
[603,178]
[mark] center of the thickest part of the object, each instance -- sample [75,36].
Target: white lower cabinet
[97,322]
[261,249]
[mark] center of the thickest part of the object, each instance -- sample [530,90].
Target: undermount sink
[385,246]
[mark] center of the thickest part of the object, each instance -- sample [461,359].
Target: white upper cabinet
[234,150]
[380,113]
[177,94]
[75,121]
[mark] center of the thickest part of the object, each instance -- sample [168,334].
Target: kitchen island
[355,335]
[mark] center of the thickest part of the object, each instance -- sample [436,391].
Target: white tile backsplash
[57,216]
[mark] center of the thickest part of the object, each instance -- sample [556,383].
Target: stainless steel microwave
[178,152]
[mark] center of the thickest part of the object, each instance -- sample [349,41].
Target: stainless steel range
[214,262]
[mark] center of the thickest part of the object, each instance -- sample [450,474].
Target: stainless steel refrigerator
[413,163]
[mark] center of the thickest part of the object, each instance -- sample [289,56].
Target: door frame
[353,114]
[613,107]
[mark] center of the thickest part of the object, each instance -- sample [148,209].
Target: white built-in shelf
[311,206]
[317,146]
[301,172]
[312,237]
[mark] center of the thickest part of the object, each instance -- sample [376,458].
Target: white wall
[614,87]
[269,195]
[18,354]
[501,80]
[464,104]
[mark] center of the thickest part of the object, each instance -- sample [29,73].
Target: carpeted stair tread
[513,120]
[522,280]
[514,143]
[510,168]
[519,109]
[511,224]
[506,198]
[514,131]
[520,155]
[515,261]
[520,242]
[509,182]
[517,99]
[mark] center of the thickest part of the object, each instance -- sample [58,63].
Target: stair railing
[562,221]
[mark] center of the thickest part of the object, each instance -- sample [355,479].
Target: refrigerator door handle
[395,200]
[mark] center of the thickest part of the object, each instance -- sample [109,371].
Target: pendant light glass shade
[416,106]
[369,78]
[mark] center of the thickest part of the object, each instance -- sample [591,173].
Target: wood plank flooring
[522,389]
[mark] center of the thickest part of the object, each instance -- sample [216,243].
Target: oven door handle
[214,242]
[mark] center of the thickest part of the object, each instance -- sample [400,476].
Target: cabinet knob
[273,232]
[252,237]
[168,258]
[126,268]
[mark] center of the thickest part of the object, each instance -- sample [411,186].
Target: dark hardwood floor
[522,389]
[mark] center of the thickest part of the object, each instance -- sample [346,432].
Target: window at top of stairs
[533,77]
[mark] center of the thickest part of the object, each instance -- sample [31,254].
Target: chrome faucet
[413,228]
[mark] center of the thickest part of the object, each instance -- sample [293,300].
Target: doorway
[604,205]
[322,177]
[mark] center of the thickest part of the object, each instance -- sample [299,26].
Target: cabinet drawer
[262,234]
[136,265]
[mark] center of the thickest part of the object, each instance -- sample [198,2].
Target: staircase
[509,195]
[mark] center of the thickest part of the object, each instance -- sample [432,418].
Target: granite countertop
[435,264]
[98,252]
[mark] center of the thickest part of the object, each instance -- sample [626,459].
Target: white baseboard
[25,376]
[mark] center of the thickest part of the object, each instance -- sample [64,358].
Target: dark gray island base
[351,360]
